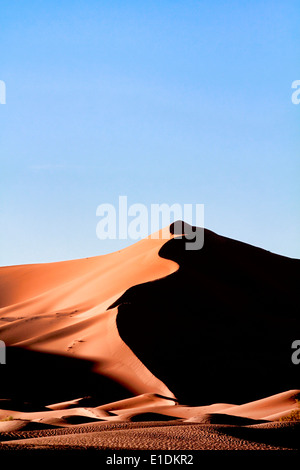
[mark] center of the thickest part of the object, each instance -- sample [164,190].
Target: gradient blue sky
[163,101]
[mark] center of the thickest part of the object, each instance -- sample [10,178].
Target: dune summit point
[133,222]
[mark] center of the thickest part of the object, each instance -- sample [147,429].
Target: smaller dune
[13,425]
[222,418]
[48,416]
[269,408]
[152,416]
[144,400]
[79,419]
[64,405]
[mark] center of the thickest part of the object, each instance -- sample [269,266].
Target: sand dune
[269,408]
[150,333]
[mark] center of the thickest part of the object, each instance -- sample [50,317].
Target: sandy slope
[62,308]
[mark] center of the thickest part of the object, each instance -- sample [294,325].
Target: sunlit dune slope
[61,308]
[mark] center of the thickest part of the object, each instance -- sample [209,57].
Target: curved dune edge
[62,308]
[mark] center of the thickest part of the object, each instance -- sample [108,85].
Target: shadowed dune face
[33,379]
[223,418]
[221,327]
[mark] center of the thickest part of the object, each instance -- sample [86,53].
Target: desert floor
[157,436]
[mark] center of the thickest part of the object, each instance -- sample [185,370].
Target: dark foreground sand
[158,436]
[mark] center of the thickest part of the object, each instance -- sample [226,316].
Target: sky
[162,101]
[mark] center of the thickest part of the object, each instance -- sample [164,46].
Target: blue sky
[163,101]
